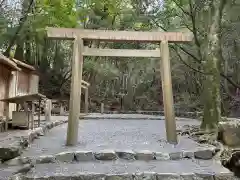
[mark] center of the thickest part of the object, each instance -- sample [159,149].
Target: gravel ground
[118,167]
[113,134]
[6,172]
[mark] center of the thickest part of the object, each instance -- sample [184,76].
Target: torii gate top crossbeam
[108,35]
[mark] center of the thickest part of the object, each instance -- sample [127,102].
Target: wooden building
[27,79]
[17,81]
[7,69]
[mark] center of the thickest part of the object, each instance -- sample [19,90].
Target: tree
[211,65]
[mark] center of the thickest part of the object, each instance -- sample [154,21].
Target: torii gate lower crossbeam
[78,35]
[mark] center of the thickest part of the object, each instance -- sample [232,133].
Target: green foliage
[105,75]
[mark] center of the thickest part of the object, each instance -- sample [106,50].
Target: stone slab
[65,156]
[108,168]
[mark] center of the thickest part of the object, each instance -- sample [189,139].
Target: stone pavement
[99,153]
[172,170]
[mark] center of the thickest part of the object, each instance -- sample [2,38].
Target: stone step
[112,155]
[116,170]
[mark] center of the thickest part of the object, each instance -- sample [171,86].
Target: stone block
[204,175]
[45,159]
[168,176]
[162,156]
[39,131]
[105,155]
[144,155]
[188,154]
[176,155]
[126,154]
[18,161]
[7,153]
[44,128]
[84,176]
[84,156]
[50,125]
[124,176]
[145,176]
[65,156]
[225,176]
[204,154]
[24,169]
[230,132]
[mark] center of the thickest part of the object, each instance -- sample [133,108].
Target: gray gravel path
[96,135]
[6,172]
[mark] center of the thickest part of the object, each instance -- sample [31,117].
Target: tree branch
[180,58]
[180,7]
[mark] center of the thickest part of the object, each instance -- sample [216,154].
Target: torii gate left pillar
[75,94]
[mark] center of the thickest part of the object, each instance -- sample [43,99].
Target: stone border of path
[10,151]
[111,155]
[186,114]
[135,176]
[128,117]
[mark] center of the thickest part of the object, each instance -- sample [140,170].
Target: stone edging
[10,151]
[111,155]
[184,114]
[133,176]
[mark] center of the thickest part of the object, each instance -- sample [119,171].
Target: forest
[204,72]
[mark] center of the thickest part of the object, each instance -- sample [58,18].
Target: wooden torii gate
[79,51]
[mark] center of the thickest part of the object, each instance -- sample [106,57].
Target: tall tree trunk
[211,66]
[22,21]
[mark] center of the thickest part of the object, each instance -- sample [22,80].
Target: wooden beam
[75,100]
[86,83]
[84,87]
[108,35]
[121,52]
[170,122]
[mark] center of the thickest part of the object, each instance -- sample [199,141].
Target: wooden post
[102,108]
[61,109]
[48,110]
[33,107]
[33,111]
[86,100]
[7,115]
[168,94]
[39,113]
[75,100]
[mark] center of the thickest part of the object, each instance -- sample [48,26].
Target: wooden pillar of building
[75,100]
[167,94]
[39,113]
[33,111]
[12,91]
[7,115]
[86,100]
